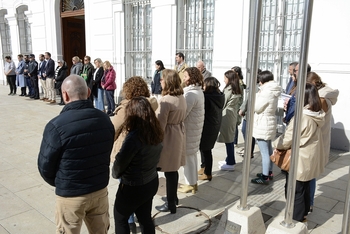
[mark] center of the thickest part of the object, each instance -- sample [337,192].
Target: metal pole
[256,20]
[345,226]
[298,113]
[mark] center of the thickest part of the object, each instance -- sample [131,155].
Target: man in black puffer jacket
[74,157]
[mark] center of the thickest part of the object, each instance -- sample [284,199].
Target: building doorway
[73,30]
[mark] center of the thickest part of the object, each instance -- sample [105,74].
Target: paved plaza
[27,203]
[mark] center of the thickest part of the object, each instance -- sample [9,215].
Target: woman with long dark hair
[311,161]
[233,93]
[214,101]
[136,166]
[60,75]
[155,85]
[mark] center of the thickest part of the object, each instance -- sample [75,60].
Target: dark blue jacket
[290,109]
[49,69]
[75,150]
[155,85]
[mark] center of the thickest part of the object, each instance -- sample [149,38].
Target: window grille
[72,5]
[24,30]
[138,39]
[5,34]
[280,36]
[195,31]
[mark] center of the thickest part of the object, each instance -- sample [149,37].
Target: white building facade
[133,34]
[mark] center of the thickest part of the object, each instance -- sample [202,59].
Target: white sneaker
[226,167]
[221,163]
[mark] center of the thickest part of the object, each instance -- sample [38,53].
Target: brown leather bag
[281,158]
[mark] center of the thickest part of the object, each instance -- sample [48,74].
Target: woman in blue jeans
[265,123]
[233,93]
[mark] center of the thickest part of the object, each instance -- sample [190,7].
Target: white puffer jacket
[265,108]
[194,118]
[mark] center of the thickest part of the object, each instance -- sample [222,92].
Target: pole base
[237,221]
[276,227]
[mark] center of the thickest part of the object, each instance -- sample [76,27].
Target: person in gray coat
[76,67]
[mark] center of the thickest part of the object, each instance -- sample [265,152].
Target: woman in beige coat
[171,114]
[329,98]
[233,94]
[311,155]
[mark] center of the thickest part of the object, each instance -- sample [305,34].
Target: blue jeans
[30,87]
[312,191]
[230,150]
[265,150]
[244,127]
[110,101]
[99,100]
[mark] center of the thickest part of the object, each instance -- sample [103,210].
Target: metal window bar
[196,30]
[5,36]
[138,50]
[280,36]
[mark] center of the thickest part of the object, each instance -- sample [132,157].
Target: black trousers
[301,200]
[35,84]
[11,80]
[208,159]
[138,200]
[172,180]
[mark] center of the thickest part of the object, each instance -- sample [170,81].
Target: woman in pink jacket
[108,84]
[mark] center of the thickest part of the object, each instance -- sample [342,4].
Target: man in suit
[49,75]
[201,67]
[26,76]
[33,74]
[40,76]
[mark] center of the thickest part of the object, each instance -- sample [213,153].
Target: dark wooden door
[73,38]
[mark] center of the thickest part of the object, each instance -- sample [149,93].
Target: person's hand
[241,113]
[285,104]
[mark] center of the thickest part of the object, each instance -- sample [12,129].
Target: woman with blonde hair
[77,65]
[97,90]
[109,85]
[171,114]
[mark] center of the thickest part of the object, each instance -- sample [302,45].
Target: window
[72,5]
[195,31]
[138,39]
[24,32]
[280,36]
[5,34]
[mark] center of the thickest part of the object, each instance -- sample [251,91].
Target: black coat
[33,69]
[136,162]
[61,75]
[97,82]
[75,150]
[213,104]
[155,85]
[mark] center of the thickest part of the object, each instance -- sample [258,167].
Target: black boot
[166,208]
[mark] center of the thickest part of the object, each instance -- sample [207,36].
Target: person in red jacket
[108,84]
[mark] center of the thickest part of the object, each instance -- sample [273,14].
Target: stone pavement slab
[27,203]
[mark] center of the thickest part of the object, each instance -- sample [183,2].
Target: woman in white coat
[265,123]
[194,121]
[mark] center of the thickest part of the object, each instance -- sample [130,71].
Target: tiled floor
[27,203]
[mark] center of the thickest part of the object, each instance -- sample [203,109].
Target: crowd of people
[162,129]
[100,78]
